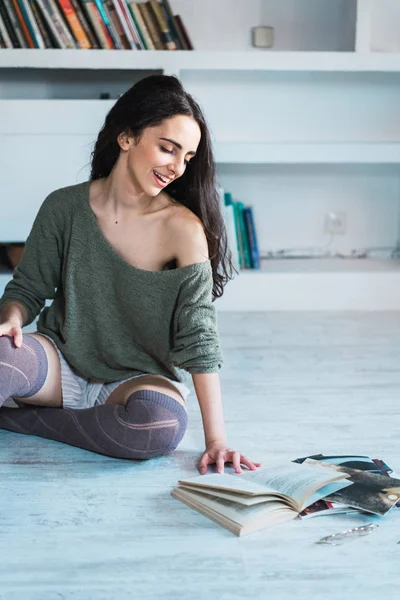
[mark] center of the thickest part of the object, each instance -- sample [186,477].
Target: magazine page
[370,492]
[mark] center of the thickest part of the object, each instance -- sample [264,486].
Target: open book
[248,502]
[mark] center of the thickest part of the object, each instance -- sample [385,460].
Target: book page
[292,479]
[239,514]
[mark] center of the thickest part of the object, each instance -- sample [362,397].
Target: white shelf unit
[307,128]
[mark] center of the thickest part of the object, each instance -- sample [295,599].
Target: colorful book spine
[28,38]
[252,238]
[86,25]
[183,33]
[230,223]
[15,24]
[116,25]
[75,26]
[127,17]
[151,24]
[166,8]
[4,33]
[106,22]
[32,24]
[41,23]
[244,236]
[62,28]
[166,35]
[141,26]
[9,25]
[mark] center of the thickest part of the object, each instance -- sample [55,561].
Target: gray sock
[23,371]
[149,425]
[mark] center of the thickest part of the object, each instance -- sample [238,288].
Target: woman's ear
[124,141]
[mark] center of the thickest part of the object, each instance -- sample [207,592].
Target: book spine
[131,24]
[41,24]
[15,24]
[23,25]
[124,24]
[183,33]
[239,248]
[149,19]
[239,233]
[252,237]
[98,25]
[140,26]
[73,21]
[80,13]
[166,35]
[56,15]
[4,33]
[245,239]
[116,24]
[107,28]
[46,12]
[229,213]
[166,8]
[32,24]
[111,27]
[9,26]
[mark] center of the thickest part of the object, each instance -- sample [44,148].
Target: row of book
[241,231]
[96,24]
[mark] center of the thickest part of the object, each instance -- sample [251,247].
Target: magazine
[370,492]
[253,500]
[363,463]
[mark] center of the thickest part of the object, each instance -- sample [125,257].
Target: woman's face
[162,153]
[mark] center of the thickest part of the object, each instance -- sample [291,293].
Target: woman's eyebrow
[177,145]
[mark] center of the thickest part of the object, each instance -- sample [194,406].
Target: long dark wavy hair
[146,104]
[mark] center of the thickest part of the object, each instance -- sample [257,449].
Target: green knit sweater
[112,320]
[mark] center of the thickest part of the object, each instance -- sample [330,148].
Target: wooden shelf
[250,60]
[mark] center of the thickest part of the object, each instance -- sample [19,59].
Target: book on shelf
[86,24]
[248,502]
[241,229]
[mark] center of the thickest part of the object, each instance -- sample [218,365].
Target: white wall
[385,26]
[299,24]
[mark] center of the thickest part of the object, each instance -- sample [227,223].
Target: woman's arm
[208,392]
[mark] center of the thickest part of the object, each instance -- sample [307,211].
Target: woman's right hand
[12,328]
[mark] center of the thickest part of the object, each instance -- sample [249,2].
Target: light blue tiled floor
[79,526]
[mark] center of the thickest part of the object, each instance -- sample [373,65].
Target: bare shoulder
[187,232]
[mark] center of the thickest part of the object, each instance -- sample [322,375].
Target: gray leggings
[149,425]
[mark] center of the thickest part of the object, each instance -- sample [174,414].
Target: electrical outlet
[335,222]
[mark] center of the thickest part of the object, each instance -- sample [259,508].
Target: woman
[132,260]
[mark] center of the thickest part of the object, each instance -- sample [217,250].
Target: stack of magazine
[307,487]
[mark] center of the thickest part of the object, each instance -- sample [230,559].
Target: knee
[159,422]
[7,346]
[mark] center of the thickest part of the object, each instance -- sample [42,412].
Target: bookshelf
[308,127]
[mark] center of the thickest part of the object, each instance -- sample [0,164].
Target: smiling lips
[161,179]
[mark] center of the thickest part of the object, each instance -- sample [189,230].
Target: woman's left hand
[219,453]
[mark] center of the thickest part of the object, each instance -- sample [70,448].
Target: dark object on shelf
[262,36]
[14,254]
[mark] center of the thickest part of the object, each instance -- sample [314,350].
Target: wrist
[221,441]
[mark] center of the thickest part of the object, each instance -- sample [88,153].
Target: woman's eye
[166,150]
